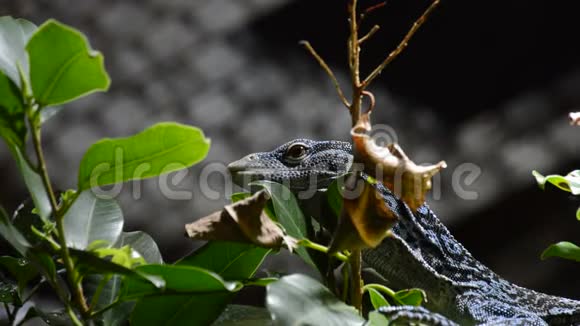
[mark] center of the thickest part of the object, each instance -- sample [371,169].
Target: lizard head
[300,164]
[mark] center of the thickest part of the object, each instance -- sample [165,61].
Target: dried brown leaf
[390,164]
[365,220]
[242,221]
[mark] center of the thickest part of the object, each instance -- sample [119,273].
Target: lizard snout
[241,164]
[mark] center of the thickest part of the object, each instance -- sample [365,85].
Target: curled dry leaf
[390,164]
[575,118]
[242,221]
[365,220]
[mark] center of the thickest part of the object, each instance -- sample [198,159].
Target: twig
[373,8]
[353,46]
[369,34]
[402,45]
[354,63]
[324,66]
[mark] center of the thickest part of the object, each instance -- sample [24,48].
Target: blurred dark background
[487,83]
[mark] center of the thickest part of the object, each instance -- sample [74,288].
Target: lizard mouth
[244,177]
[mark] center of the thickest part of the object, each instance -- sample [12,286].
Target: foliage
[74,242]
[571,184]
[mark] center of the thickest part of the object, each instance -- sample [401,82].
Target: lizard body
[421,253]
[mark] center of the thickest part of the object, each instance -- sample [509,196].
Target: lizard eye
[296,151]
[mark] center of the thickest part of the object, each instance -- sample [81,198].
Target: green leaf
[12,235]
[62,65]
[89,263]
[49,112]
[178,309]
[94,268]
[120,312]
[184,279]
[124,256]
[562,249]
[44,263]
[578,214]
[239,196]
[288,213]
[232,261]
[410,297]
[377,298]
[14,34]
[146,247]
[377,319]
[300,300]
[13,130]
[24,219]
[264,281]
[91,218]
[8,293]
[334,197]
[240,315]
[142,243]
[570,182]
[20,269]
[34,184]
[160,149]
[12,124]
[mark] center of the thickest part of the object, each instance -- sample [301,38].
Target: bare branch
[369,34]
[401,45]
[375,7]
[324,66]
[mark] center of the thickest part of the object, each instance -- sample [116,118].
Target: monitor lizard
[420,253]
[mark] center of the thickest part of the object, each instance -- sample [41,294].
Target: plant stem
[385,290]
[318,247]
[72,315]
[356,293]
[345,283]
[73,281]
[8,313]
[379,287]
[355,258]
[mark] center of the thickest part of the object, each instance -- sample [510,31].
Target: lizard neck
[432,258]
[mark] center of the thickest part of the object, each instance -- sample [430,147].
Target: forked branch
[402,45]
[326,68]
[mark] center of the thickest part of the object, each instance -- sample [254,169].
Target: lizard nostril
[251,157]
